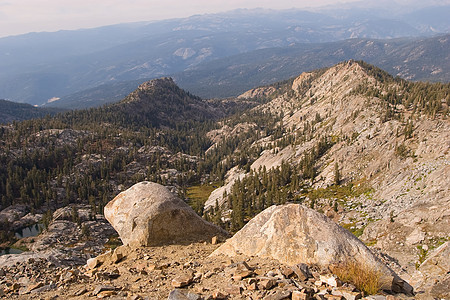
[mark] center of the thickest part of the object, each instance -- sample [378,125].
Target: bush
[363,277]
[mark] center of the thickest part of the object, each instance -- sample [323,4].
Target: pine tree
[337,174]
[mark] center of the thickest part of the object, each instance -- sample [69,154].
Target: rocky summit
[148,214]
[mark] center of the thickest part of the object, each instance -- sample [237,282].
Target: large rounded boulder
[148,214]
[294,234]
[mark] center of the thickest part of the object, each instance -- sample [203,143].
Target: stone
[441,289]
[252,286]
[375,297]
[45,288]
[239,275]
[302,271]
[435,271]
[182,280]
[286,271]
[101,288]
[332,297]
[239,269]
[279,295]
[148,214]
[219,295]
[80,292]
[208,274]
[178,294]
[93,263]
[294,234]
[331,280]
[35,286]
[298,295]
[415,237]
[233,289]
[438,261]
[266,283]
[214,240]
[347,294]
[116,257]
[106,294]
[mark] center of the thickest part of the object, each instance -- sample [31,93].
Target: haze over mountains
[37,67]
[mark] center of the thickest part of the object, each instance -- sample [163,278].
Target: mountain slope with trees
[351,141]
[12,111]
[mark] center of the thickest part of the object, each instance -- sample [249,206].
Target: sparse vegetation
[364,278]
[402,151]
[113,242]
[198,194]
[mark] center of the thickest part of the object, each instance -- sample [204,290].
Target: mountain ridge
[234,75]
[365,148]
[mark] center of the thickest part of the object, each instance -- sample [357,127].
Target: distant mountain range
[414,59]
[37,67]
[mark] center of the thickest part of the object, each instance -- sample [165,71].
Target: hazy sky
[22,16]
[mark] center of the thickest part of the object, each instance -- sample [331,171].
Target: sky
[23,16]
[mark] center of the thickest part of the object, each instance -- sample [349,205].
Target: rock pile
[175,272]
[148,214]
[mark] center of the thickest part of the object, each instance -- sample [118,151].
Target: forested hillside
[157,133]
[11,111]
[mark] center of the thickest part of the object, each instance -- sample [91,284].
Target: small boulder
[178,294]
[183,280]
[148,214]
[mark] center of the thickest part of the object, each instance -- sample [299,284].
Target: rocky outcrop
[148,214]
[295,234]
[69,240]
[18,216]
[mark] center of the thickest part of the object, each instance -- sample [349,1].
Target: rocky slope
[181,269]
[392,160]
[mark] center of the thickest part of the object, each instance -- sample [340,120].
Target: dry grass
[363,277]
